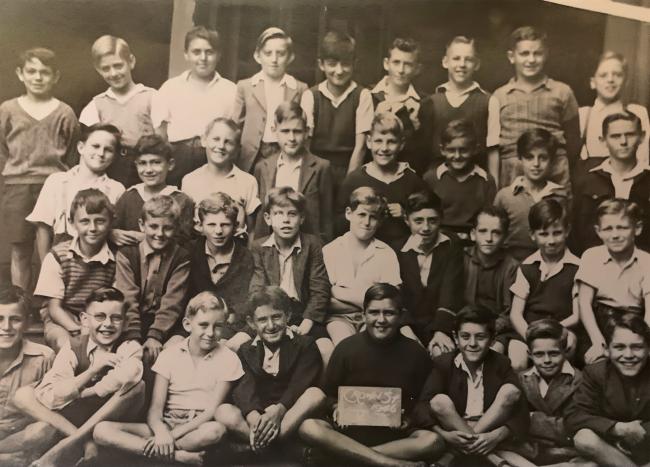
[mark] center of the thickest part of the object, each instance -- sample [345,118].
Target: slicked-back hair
[477,315]
[546,329]
[46,56]
[625,115]
[110,45]
[337,45]
[423,200]
[547,212]
[381,291]
[527,33]
[201,32]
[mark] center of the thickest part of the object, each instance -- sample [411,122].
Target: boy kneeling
[280,367]
[610,414]
[193,377]
[94,377]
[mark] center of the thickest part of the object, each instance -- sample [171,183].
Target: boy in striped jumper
[74,268]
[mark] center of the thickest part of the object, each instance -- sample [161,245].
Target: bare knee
[429,441]
[103,432]
[228,415]
[312,429]
[509,394]
[314,396]
[518,355]
[211,432]
[441,404]
[586,441]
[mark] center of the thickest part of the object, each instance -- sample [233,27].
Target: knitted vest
[551,298]
[79,346]
[334,128]
[132,117]
[80,278]
[474,109]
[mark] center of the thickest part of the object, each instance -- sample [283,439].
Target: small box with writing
[369,406]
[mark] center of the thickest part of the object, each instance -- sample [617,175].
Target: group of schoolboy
[184,280]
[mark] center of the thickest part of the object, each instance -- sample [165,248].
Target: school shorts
[176,417]
[18,201]
[354,320]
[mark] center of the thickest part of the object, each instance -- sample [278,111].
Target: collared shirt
[414,243]
[475,390]
[591,128]
[364,112]
[476,171]
[53,205]
[288,172]
[625,286]
[145,195]
[50,280]
[58,386]
[218,264]
[271,360]
[192,379]
[622,182]
[456,99]
[374,172]
[567,369]
[519,187]
[393,104]
[287,282]
[521,287]
[548,106]
[239,185]
[188,107]
[31,364]
[377,263]
[274,93]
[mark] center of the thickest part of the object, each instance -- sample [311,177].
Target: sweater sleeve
[304,375]
[258,280]
[70,133]
[450,299]
[586,407]
[172,303]
[319,286]
[125,282]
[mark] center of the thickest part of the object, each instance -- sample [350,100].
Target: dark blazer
[547,413]
[432,308]
[250,113]
[605,397]
[300,366]
[309,274]
[447,378]
[315,183]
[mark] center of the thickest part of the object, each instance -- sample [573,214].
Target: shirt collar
[402,167]
[185,347]
[225,259]
[270,242]
[459,361]
[322,87]
[519,186]
[287,80]
[167,191]
[288,333]
[445,87]
[493,261]
[607,257]
[213,81]
[567,258]
[283,162]
[382,86]
[514,84]
[28,348]
[104,255]
[566,369]
[606,167]
[414,241]
[137,89]
[476,170]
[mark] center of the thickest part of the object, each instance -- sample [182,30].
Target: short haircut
[631,321]
[611,55]
[153,144]
[494,211]
[94,201]
[205,301]
[284,196]
[228,122]
[11,294]
[201,32]
[423,200]
[536,138]
[161,206]
[527,33]
[86,131]
[387,123]
[46,56]
[337,45]
[620,206]
[290,110]
[106,294]
[273,33]
[547,329]
[370,196]
[272,296]
[460,128]
[462,40]
[405,44]
[547,212]
[110,45]
[625,115]
[381,291]
[218,203]
[475,314]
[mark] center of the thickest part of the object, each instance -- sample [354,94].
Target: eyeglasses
[101,317]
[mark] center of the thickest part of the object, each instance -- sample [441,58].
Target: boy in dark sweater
[275,395]
[222,264]
[392,179]
[153,277]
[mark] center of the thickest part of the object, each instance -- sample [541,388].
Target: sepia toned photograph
[331,233]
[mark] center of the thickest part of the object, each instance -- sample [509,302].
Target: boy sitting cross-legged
[275,395]
[94,377]
[474,395]
[22,363]
[193,377]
